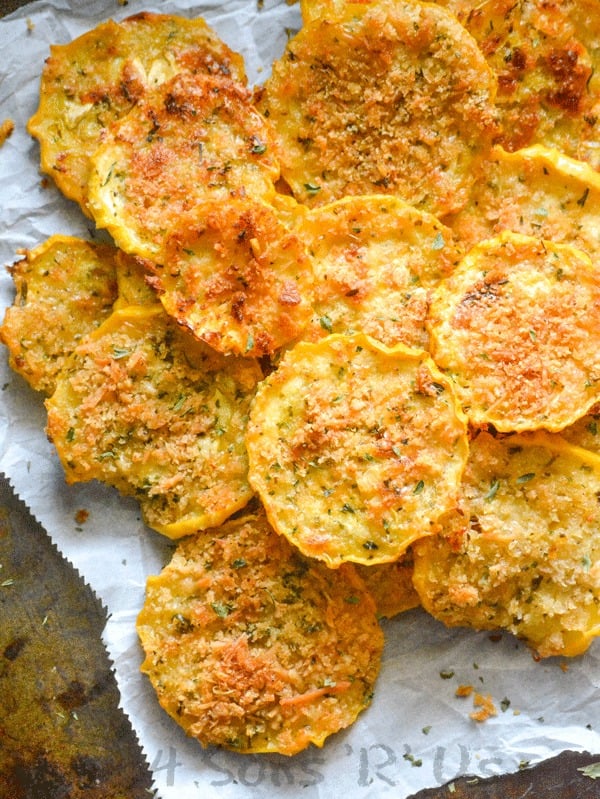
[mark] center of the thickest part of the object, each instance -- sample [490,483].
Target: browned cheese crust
[355,449]
[523,552]
[99,76]
[254,648]
[240,281]
[65,288]
[390,97]
[144,406]
[195,139]
[516,327]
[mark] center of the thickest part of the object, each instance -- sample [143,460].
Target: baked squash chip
[355,449]
[254,648]
[98,77]
[240,280]
[65,287]
[523,553]
[195,139]
[376,260]
[547,90]
[517,327]
[394,98]
[536,191]
[145,407]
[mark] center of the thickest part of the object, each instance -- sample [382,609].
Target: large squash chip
[65,288]
[240,280]
[393,98]
[195,139]
[547,91]
[376,260]
[523,553]
[145,407]
[536,191]
[517,328]
[97,78]
[355,449]
[254,648]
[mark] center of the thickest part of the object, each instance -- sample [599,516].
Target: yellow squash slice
[523,554]
[394,98]
[517,328]
[547,91]
[239,281]
[145,407]
[376,260]
[254,648]
[195,139]
[65,288]
[355,449]
[538,192]
[97,78]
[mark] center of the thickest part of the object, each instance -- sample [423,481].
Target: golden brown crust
[523,552]
[355,449]
[239,280]
[195,139]
[515,327]
[254,648]
[98,77]
[144,406]
[65,288]
[391,97]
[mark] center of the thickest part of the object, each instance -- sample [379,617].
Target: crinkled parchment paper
[417,733]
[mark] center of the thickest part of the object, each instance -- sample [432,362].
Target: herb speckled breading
[144,406]
[252,647]
[97,78]
[65,288]
[516,326]
[355,449]
[522,552]
[393,98]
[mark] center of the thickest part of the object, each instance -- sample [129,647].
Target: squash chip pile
[344,343]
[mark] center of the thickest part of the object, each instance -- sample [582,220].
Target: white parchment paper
[417,733]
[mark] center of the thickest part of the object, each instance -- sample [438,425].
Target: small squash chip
[536,191]
[516,327]
[239,280]
[195,139]
[390,97]
[376,260]
[98,77]
[254,648]
[355,449]
[523,553]
[145,407]
[65,287]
